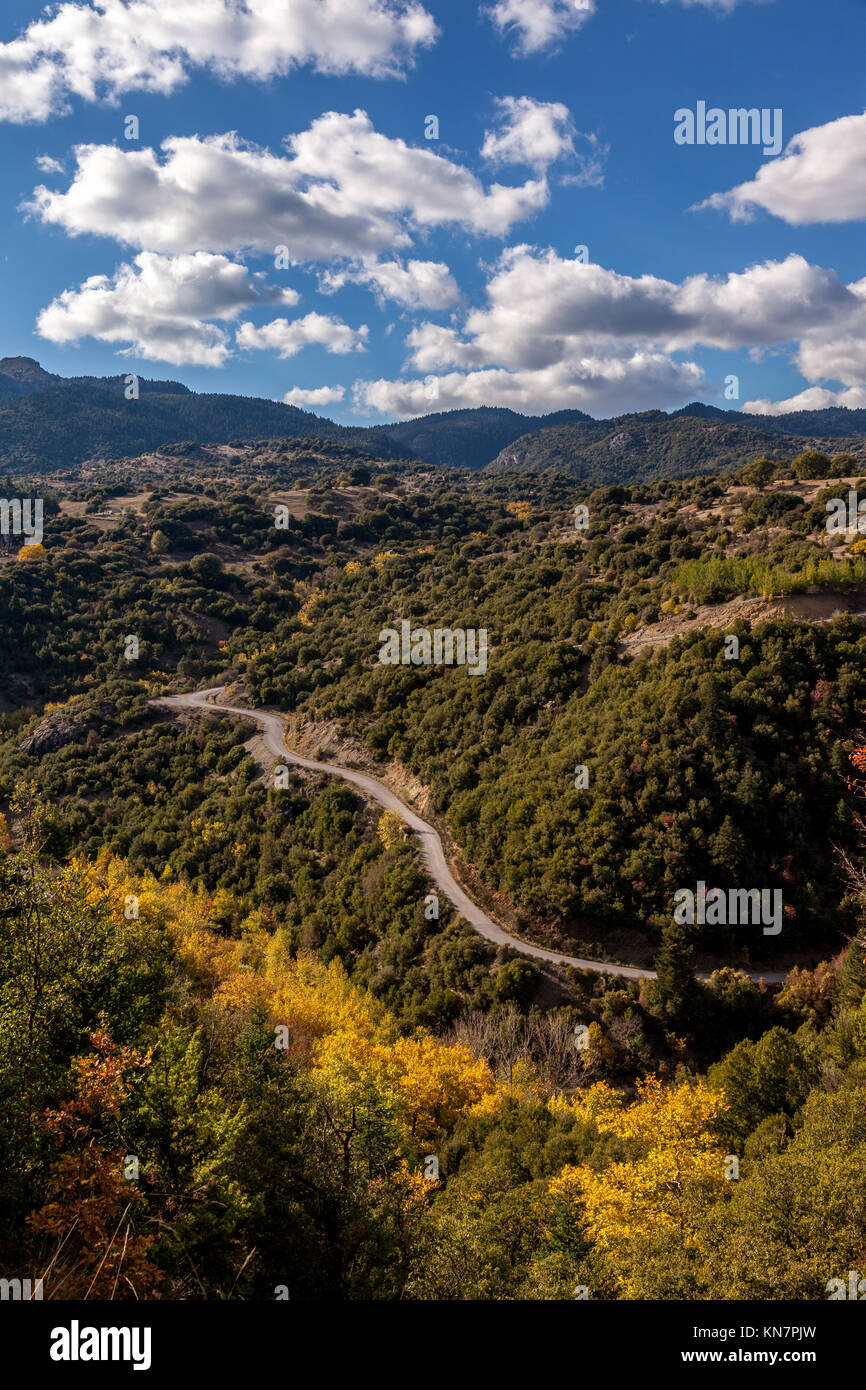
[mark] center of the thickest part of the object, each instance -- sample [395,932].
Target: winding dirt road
[273,727]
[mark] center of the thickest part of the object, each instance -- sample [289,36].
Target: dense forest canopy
[232,1022]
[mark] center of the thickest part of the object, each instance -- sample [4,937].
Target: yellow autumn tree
[380,560]
[678,1166]
[401,1096]
[430,1084]
[315,1000]
[305,612]
[223,968]
[391,829]
[523,1084]
[105,881]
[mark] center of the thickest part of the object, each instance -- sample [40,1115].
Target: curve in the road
[273,727]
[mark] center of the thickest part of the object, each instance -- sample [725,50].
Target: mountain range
[50,422]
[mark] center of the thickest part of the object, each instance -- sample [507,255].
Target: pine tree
[676,989]
[727,848]
[851,986]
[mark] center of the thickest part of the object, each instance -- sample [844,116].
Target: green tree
[757,473]
[811,464]
[205,567]
[675,989]
[771,1076]
[797,1218]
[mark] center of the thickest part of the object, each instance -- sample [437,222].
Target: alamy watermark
[21,1290]
[737,126]
[845,516]
[22,517]
[741,907]
[838,1290]
[77,1343]
[443,646]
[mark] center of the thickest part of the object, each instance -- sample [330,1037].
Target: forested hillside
[258,1126]
[74,421]
[654,445]
[469,438]
[237,980]
[49,422]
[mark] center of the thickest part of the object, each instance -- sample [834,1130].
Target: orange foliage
[90,1215]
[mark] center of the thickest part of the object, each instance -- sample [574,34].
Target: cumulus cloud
[315,395]
[287,337]
[529,132]
[104,49]
[557,332]
[342,190]
[542,307]
[415,285]
[820,177]
[833,350]
[160,307]
[813,398]
[49,165]
[604,385]
[539,24]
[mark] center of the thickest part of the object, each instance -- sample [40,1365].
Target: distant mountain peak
[702,411]
[25,369]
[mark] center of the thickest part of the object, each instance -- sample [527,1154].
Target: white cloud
[837,351]
[721,6]
[49,165]
[603,385]
[814,398]
[315,395]
[104,49]
[416,285]
[557,333]
[820,177]
[371,170]
[343,190]
[286,337]
[539,24]
[590,164]
[833,350]
[529,132]
[542,308]
[160,306]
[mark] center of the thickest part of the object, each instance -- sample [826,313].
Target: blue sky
[427,274]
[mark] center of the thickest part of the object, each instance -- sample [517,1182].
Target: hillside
[69,421]
[49,422]
[298,611]
[469,438]
[264,904]
[641,447]
[476,438]
[835,422]
[19,376]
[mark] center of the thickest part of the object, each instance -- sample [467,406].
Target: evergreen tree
[852,977]
[676,988]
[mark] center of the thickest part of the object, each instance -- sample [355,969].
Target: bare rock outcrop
[68,725]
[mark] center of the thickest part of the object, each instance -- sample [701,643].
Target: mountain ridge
[649,444]
[49,422]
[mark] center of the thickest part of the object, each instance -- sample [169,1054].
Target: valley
[400,875]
